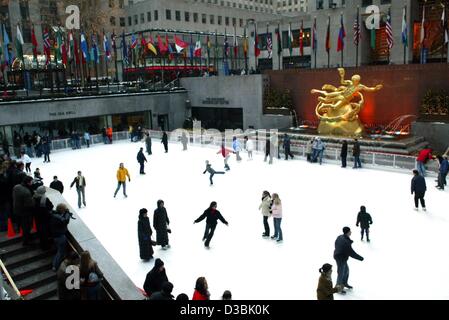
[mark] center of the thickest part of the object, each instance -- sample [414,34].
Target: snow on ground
[407,258]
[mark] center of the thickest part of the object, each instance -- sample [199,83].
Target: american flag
[389,32]
[269,44]
[357,34]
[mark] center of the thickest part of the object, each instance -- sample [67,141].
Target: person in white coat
[249,144]
[265,208]
[276,209]
[26,160]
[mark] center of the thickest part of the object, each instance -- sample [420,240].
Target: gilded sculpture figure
[338,108]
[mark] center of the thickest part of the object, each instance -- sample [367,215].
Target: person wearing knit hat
[144,234]
[325,290]
[343,250]
[42,213]
[155,278]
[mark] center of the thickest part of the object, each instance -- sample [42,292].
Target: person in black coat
[343,250]
[344,153]
[364,219]
[42,214]
[211,215]
[148,143]
[419,188]
[356,154]
[46,148]
[268,151]
[287,143]
[165,293]
[155,278]
[141,159]
[57,185]
[164,140]
[160,224]
[144,233]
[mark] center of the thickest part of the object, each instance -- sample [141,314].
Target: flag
[256,43]
[290,39]
[404,28]
[6,43]
[162,48]
[143,47]
[341,36]
[444,24]
[245,44]
[357,33]
[95,55]
[389,32]
[34,42]
[226,46]
[76,51]
[171,53]
[57,46]
[151,45]
[124,50]
[47,45]
[113,40]
[180,45]
[208,45]
[269,44]
[106,47]
[314,37]
[133,41]
[70,47]
[85,47]
[19,43]
[279,40]
[301,39]
[63,49]
[328,36]
[197,50]
[423,30]
[236,44]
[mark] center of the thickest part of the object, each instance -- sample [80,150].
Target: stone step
[26,258]
[22,272]
[47,291]
[37,280]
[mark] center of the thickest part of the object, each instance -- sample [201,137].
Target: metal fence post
[394,161]
[374,158]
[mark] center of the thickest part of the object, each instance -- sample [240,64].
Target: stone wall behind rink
[404,88]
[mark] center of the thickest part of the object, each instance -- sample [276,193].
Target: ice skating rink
[408,256]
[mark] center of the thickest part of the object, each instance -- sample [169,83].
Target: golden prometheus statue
[338,108]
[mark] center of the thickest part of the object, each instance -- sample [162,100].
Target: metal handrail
[11,281]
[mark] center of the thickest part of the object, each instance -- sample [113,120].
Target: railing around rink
[331,154]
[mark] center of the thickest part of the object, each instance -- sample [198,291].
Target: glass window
[149,16]
[142,18]
[130,21]
[204,18]
[112,21]
[212,19]
[195,17]
[187,16]
[168,14]
[219,20]
[122,22]
[227,21]
[156,15]
[178,15]
[136,19]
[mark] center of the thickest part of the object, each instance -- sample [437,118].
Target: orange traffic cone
[24,293]
[34,225]
[11,232]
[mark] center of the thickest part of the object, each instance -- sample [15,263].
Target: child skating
[211,171]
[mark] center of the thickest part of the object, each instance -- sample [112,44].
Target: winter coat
[224,152]
[444,167]
[364,219]
[148,141]
[86,136]
[424,155]
[78,182]
[57,185]
[343,249]
[211,215]
[59,223]
[25,159]
[325,290]
[23,202]
[265,206]
[318,145]
[286,142]
[249,145]
[199,296]
[46,147]
[144,233]
[63,292]
[418,184]
[122,173]
[154,281]
[236,145]
[356,149]
[141,157]
[109,132]
[160,222]
[277,210]
[164,139]
[267,147]
[161,295]
[344,150]
[309,148]
[209,169]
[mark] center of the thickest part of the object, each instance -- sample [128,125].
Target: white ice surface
[408,257]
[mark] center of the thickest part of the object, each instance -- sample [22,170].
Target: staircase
[30,267]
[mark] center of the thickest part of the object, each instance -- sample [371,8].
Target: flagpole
[343,48]
[389,50]
[279,38]
[328,49]
[315,41]
[255,40]
[144,56]
[245,54]
[106,57]
[404,43]
[443,34]
[95,62]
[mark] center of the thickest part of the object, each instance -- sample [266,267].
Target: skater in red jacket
[226,154]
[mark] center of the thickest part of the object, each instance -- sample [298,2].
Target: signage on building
[221,101]
[59,114]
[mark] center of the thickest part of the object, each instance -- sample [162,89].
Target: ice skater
[122,173]
[80,183]
[148,143]
[144,235]
[164,141]
[141,159]
[343,250]
[184,141]
[249,146]
[265,208]
[419,189]
[211,171]
[276,209]
[237,148]
[160,224]
[364,219]
[226,154]
[287,145]
[211,215]
[26,160]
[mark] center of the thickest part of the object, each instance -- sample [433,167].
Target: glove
[169,230]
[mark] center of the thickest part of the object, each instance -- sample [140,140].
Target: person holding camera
[160,224]
[59,222]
